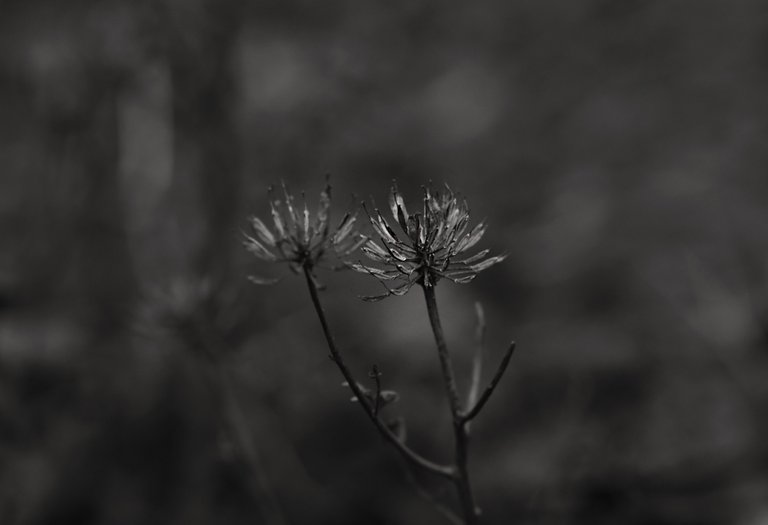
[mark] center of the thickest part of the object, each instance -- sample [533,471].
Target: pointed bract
[299,238]
[433,244]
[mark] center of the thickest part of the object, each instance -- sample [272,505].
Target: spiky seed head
[425,246]
[298,237]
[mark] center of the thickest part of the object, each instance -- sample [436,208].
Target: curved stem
[408,453]
[477,363]
[460,432]
[478,406]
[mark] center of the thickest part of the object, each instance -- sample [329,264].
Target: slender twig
[475,410]
[442,351]
[461,480]
[375,374]
[477,363]
[402,448]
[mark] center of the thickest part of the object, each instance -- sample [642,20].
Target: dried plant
[433,246]
[298,239]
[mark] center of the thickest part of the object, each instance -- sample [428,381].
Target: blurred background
[618,150]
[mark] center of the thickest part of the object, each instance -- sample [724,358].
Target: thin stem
[402,448]
[477,364]
[375,374]
[475,410]
[461,437]
[442,351]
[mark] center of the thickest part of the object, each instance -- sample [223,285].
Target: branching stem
[404,450]
[460,431]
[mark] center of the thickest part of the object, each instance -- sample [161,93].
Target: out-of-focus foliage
[616,148]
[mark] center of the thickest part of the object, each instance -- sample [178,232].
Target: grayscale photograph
[295,262]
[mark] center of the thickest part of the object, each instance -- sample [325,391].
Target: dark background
[618,149]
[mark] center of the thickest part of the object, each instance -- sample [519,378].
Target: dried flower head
[299,239]
[432,245]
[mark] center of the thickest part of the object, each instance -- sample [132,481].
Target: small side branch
[375,374]
[475,410]
[408,453]
[477,363]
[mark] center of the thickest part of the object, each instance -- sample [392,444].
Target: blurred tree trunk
[105,260]
[199,49]
[82,193]
[70,258]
